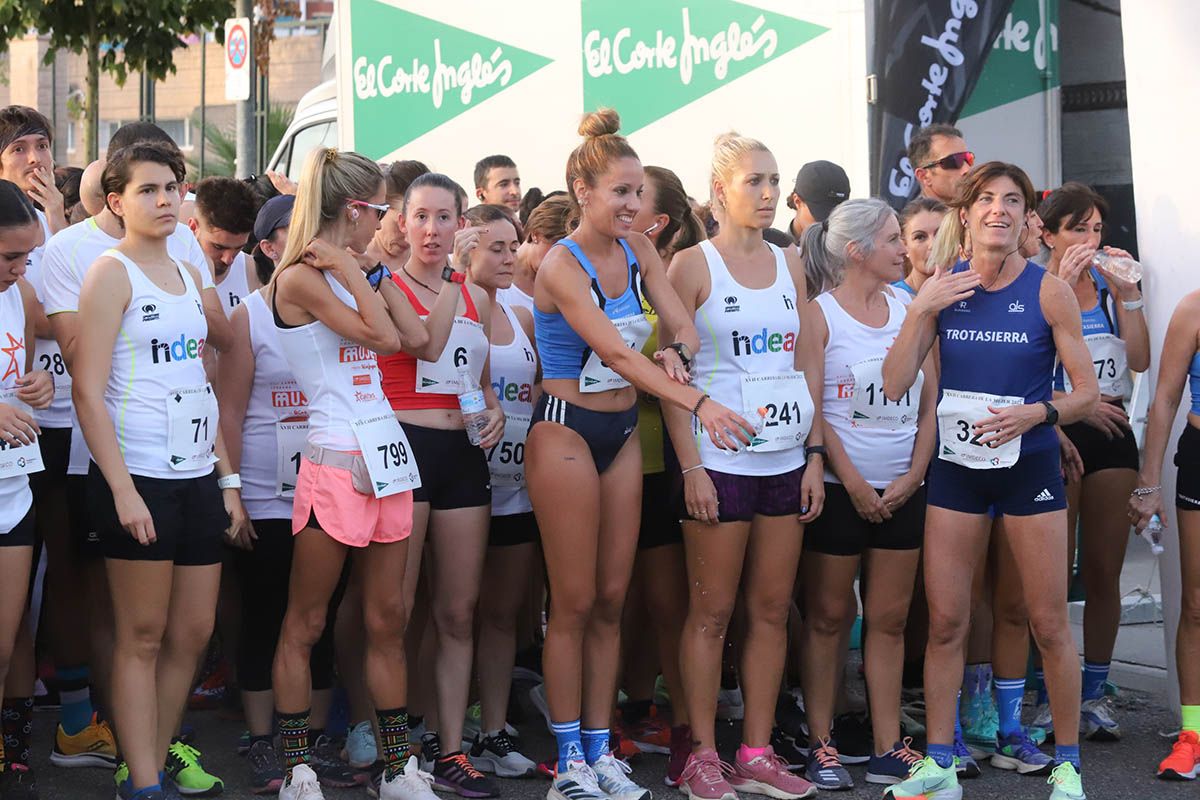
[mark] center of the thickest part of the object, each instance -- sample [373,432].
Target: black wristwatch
[815,450]
[682,350]
[1051,413]
[376,275]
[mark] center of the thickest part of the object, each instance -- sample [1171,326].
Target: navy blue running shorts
[1033,485]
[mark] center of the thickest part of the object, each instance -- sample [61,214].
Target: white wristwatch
[1133,305]
[231,481]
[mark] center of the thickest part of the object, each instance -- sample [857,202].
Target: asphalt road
[1111,771]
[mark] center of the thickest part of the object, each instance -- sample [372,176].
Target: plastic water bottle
[1153,535]
[472,404]
[757,419]
[1121,267]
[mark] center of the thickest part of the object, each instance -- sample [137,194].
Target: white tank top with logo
[747,335]
[158,396]
[514,370]
[15,496]
[236,285]
[876,433]
[46,353]
[340,378]
[276,422]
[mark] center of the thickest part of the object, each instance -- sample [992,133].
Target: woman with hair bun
[581,447]
[744,510]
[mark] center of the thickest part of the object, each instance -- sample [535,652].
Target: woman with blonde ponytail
[354,488]
[582,447]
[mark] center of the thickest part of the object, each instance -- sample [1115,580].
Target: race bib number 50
[960,443]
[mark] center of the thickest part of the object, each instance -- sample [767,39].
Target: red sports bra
[399,371]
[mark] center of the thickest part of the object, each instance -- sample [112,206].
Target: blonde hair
[728,149]
[329,180]
[948,242]
[601,146]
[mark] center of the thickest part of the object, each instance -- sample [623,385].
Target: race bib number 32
[960,443]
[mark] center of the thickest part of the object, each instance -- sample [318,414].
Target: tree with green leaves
[119,37]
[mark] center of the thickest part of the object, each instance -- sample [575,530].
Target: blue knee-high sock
[1010,692]
[570,747]
[1094,677]
[76,699]
[595,743]
[1043,697]
[1068,753]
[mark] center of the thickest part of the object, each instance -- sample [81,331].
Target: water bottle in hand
[472,404]
[1121,267]
[1153,535]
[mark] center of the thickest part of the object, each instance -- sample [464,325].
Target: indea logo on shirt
[512,392]
[763,342]
[180,349]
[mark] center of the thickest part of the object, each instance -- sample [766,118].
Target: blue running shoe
[1018,752]
[894,765]
[965,764]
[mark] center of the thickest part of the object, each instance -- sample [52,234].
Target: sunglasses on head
[953,161]
[379,208]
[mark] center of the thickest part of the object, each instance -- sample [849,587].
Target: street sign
[237,58]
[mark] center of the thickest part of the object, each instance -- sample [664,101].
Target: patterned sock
[1094,677]
[393,738]
[977,679]
[1010,693]
[595,743]
[1068,753]
[570,744]
[293,736]
[1191,718]
[17,713]
[942,754]
[76,696]
[1043,697]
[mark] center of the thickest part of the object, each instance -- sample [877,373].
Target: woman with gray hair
[878,450]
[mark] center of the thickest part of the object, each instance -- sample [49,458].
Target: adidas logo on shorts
[1043,496]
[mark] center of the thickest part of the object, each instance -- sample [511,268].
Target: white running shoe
[612,776]
[578,782]
[411,784]
[302,784]
[1096,720]
[498,754]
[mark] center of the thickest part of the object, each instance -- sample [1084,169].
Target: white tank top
[158,352]
[744,332]
[46,353]
[880,454]
[15,496]
[340,378]
[236,285]
[513,296]
[514,370]
[274,397]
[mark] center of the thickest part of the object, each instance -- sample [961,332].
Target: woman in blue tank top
[1114,330]
[590,331]
[997,321]
[1179,363]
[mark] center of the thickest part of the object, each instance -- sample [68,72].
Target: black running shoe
[454,772]
[326,761]
[17,783]
[789,717]
[266,776]
[787,748]
[854,738]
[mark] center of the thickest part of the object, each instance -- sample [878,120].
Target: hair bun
[601,122]
[726,138]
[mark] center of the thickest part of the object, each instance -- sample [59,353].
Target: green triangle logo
[589,381]
[411,74]
[649,59]
[427,382]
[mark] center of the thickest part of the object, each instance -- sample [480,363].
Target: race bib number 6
[960,443]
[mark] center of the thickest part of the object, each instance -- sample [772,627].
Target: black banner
[928,57]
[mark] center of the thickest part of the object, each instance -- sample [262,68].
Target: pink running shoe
[768,775]
[704,777]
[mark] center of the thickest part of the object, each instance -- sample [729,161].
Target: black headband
[28,129]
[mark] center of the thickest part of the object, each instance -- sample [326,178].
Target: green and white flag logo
[649,59]
[412,73]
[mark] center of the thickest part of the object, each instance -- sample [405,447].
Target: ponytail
[948,242]
[820,273]
[826,246]
[329,180]
[683,229]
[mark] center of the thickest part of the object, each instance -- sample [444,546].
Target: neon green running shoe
[122,773]
[928,781]
[1066,782]
[184,768]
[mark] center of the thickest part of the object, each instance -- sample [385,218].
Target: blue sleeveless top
[903,284]
[1097,319]
[1000,343]
[1194,383]
[563,351]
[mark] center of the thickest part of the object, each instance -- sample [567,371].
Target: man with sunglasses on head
[940,158]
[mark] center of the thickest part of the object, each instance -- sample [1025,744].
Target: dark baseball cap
[822,185]
[276,213]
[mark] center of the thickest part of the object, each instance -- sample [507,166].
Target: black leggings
[263,575]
